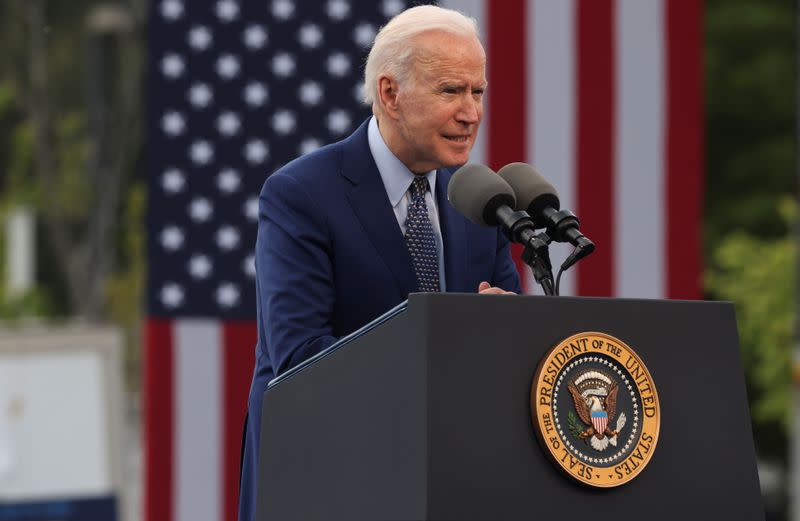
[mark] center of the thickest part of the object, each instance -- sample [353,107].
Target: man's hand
[484,288]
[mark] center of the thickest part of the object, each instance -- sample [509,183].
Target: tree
[77,117]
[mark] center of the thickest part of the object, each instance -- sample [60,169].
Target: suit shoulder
[315,166]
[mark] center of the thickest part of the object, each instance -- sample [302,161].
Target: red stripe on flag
[507,83]
[508,91]
[595,142]
[158,420]
[684,148]
[239,340]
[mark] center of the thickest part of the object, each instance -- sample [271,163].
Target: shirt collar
[396,176]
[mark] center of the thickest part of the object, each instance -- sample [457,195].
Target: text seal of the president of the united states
[595,409]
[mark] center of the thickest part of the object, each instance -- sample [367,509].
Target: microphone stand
[519,228]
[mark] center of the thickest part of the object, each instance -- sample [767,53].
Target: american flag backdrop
[603,96]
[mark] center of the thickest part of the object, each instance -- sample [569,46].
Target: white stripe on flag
[640,255]
[198,421]
[551,110]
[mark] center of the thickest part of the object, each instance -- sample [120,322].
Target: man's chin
[457,160]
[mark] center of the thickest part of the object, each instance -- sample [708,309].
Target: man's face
[440,106]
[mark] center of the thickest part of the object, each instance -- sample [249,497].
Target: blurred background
[135,136]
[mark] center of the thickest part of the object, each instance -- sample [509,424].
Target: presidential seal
[595,409]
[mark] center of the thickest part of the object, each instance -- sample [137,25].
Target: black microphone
[540,199]
[484,198]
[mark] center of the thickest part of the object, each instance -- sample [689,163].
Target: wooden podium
[425,415]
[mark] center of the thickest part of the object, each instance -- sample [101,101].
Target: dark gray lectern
[426,415]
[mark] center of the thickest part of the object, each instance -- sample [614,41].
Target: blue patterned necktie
[420,239]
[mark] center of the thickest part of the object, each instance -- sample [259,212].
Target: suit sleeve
[294,273]
[505,273]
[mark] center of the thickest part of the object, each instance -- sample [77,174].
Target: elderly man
[347,232]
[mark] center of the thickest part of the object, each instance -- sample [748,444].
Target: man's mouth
[457,139]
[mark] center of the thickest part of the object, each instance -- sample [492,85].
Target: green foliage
[575,427]
[758,275]
[34,303]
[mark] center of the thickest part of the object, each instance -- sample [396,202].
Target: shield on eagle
[599,421]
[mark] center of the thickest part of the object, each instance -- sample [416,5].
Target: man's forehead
[439,44]
[448,55]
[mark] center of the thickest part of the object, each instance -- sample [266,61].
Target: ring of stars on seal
[595,409]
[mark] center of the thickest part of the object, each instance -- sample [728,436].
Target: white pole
[20,251]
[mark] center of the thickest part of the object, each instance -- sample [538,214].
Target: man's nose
[470,110]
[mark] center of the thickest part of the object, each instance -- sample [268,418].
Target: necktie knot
[419,186]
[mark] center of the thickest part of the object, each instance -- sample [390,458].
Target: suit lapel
[369,202]
[454,236]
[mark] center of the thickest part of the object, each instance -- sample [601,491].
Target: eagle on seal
[595,397]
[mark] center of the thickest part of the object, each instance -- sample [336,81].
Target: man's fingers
[483,286]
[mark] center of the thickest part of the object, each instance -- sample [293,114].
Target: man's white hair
[392,52]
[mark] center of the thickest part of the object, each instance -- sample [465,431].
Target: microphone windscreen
[477,192]
[534,193]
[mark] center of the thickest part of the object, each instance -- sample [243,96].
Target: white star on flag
[251,208]
[200,38]
[392,7]
[201,152]
[310,36]
[227,238]
[172,238]
[173,181]
[200,95]
[228,180]
[256,151]
[200,209]
[283,64]
[282,9]
[171,9]
[283,121]
[227,295]
[228,123]
[338,64]
[338,121]
[364,34]
[228,66]
[255,94]
[172,66]
[200,266]
[249,266]
[172,295]
[309,145]
[255,37]
[227,10]
[173,123]
[310,93]
[338,9]
[358,92]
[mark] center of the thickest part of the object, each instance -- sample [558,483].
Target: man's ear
[388,95]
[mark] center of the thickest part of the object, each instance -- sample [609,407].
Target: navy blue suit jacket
[330,257]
